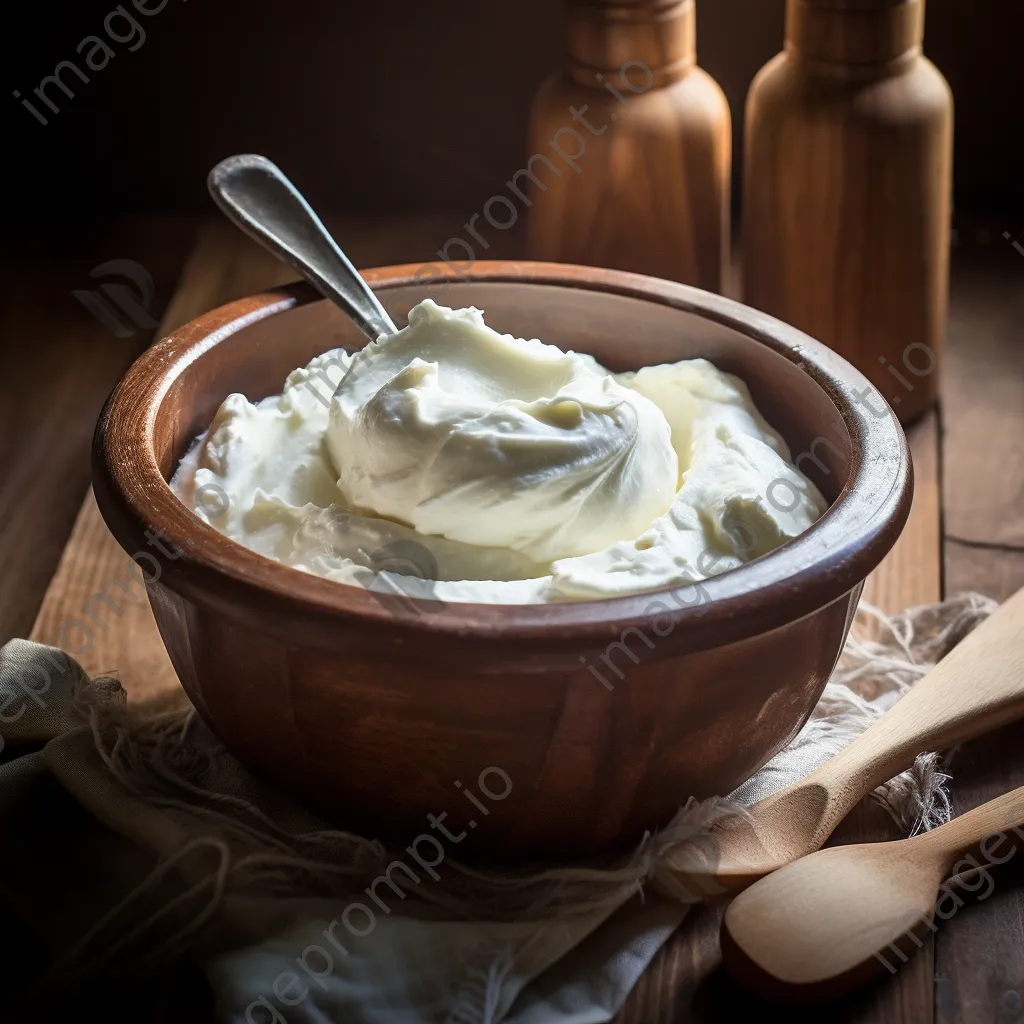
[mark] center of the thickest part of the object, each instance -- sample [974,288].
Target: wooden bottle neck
[855,32]
[645,40]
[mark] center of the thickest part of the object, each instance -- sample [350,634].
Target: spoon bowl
[820,927]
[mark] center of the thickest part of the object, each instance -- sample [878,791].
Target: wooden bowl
[381,715]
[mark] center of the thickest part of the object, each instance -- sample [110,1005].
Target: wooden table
[966,532]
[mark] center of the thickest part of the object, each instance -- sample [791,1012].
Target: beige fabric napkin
[132,838]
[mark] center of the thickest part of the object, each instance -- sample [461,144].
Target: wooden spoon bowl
[821,926]
[383,715]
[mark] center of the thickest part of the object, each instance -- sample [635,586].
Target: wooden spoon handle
[996,818]
[977,687]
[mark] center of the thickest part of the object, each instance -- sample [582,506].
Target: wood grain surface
[980,955]
[847,191]
[650,191]
[911,574]
[983,400]
[977,972]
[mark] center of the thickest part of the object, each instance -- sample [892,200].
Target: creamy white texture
[499,470]
[460,432]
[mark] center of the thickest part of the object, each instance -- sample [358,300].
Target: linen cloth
[133,838]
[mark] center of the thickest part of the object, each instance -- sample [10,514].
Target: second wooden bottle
[847,191]
[650,138]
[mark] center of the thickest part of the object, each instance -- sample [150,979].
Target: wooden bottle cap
[855,31]
[619,35]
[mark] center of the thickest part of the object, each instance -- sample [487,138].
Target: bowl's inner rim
[741,583]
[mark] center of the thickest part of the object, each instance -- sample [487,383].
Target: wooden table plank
[911,573]
[983,396]
[980,951]
[983,419]
[994,572]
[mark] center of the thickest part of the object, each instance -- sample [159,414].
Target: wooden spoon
[977,687]
[820,927]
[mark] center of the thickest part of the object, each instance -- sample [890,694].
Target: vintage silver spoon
[254,194]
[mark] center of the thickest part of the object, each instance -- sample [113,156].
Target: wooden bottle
[649,190]
[847,191]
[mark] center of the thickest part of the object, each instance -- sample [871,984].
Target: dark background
[401,105]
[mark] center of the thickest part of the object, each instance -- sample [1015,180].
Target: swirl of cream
[461,432]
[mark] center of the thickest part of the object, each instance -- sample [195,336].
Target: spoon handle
[252,192]
[985,826]
[977,687]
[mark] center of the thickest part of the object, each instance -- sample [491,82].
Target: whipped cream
[460,432]
[462,464]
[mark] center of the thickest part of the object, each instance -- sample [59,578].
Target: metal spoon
[254,194]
